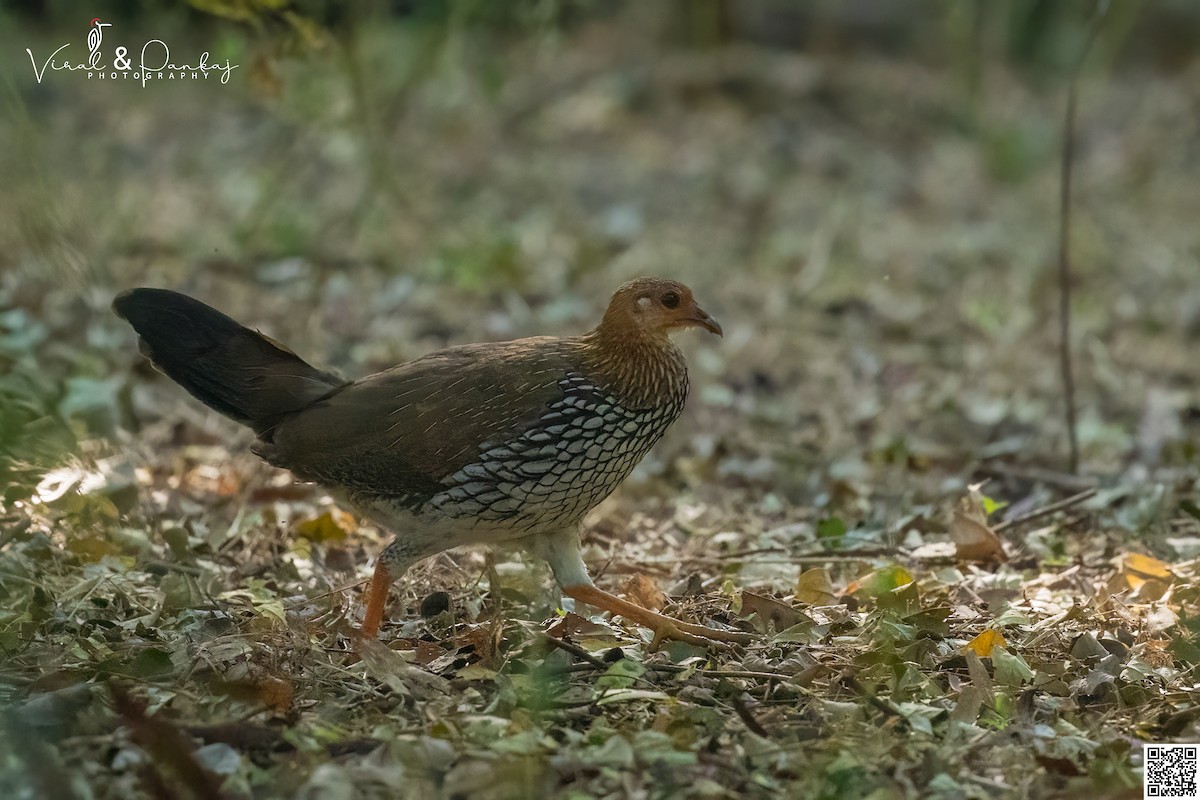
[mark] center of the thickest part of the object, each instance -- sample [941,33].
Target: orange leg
[377,595]
[663,626]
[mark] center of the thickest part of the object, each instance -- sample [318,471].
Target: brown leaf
[273,691]
[970,702]
[481,640]
[770,610]
[814,588]
[643,590]
[973,539]
[980,678]
[1058,766]
[426,652]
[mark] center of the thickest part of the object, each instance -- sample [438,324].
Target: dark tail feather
[228,367]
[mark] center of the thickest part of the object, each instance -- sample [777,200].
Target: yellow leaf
[1144,567]
[983,644]
[330,526]
[814,587]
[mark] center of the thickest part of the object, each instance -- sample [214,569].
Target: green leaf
[149,663]
[880,581]
[620,675]
[656,749]
[920,716]
[1010,668]
[831,528]
[991,506]
[615,752]
[896,632]
[903,601]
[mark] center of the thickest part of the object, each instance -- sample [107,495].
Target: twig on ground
[1045,511]
[597,663]
[575,650]
[851,682]
[1059,480]
[747,718]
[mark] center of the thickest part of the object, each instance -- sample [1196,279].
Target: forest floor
[879,244]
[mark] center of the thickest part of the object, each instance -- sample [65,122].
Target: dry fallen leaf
[333,525]
[1136,565]
[1146,579]
[980,679]
[814,588]
[575,625]
[974,540]
[482,639]
[983,644]
[643,590]
[401,677]
[970,702]
[769,610]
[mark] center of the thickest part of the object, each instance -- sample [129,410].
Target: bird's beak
[706,321]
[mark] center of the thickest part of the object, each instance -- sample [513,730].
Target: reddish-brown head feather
[650,308]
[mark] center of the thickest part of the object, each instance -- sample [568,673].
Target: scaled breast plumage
[571,458]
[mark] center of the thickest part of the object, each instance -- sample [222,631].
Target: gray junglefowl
[504,442]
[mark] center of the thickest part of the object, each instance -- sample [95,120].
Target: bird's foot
[664,627]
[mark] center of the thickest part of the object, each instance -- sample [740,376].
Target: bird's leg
[562,551]
[377,595]
[392,563]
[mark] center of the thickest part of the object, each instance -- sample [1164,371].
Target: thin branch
[1064,240]
[1021,472]
[1046,511]
[576,651]
[748,718]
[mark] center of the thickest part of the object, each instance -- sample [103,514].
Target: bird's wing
[401,432]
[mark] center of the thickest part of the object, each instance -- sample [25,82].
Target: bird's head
[653,307]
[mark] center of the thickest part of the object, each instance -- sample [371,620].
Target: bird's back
[515,437]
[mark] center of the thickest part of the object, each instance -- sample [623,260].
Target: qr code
[1170,771]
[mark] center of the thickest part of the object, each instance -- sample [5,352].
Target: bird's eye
[670,300]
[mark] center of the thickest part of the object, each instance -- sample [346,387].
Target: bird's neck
[643,371]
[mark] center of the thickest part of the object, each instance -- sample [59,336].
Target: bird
[495,443]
